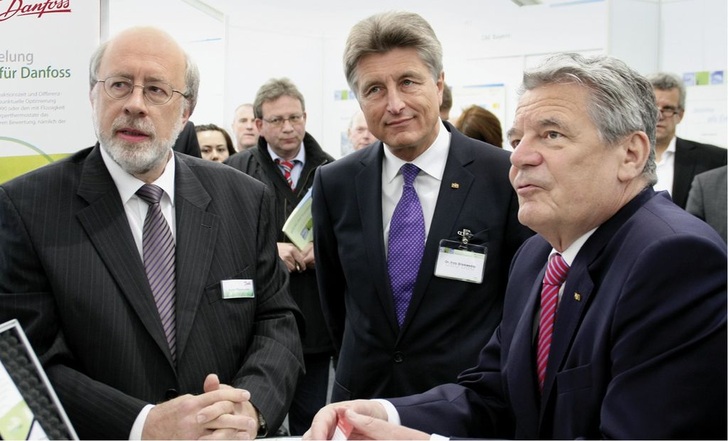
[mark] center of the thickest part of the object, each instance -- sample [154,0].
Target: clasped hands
[221,412]
[367,419]
[297,260]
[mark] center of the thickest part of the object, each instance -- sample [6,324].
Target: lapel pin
[455,185]
[577,297]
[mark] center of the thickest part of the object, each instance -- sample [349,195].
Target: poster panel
[45,113]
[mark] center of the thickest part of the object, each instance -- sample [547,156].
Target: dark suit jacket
[448,321]
[187,142]
[708,198]
[639,344]
[256,162]
[71,273]
[692,158]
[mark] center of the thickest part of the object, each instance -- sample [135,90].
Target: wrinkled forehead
[145,55]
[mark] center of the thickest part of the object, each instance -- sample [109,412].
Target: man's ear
[636,151]
[186,115]
[440,85]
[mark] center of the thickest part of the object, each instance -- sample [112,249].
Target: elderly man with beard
[201,342]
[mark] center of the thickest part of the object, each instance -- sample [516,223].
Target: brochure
[299,225]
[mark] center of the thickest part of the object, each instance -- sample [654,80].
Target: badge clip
[466,235]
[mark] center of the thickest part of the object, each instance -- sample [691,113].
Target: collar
[128,184]
[432,161]
[300,157]
[570,253]
[671,146]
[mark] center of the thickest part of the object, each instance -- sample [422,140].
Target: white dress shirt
[298,163]
[666,169]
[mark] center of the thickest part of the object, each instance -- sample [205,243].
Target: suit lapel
[521,360]
[368,183]
[106,224]
[572,306]
[685,162]
[579,288]
[196,233]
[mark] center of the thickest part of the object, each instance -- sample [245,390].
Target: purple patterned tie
[158,248]
[556,272]
[406,243]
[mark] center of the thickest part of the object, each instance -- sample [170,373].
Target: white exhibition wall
[241,44]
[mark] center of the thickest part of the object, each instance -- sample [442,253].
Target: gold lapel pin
[455,185]
[577,297]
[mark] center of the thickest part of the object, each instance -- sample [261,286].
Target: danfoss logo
[19,8]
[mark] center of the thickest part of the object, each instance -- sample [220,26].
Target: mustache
[124,122]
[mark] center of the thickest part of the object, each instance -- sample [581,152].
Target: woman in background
[479,123]
[215,143]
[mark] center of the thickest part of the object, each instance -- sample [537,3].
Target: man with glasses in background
[285,159]
[156,303]
[678,160]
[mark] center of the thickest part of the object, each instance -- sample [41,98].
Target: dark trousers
[311,393]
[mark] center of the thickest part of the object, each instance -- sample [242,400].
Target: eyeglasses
[154,92]
[278,121]
[668,112]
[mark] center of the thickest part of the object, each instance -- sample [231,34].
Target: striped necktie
[553,279]
[159,261]
[286,167]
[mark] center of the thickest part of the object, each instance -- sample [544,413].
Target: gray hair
[383,32]
[192,74]
[668,81]
[274,89]
[622,101]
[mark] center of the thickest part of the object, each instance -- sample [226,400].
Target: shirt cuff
[392,414]
[393,417]
[138,427]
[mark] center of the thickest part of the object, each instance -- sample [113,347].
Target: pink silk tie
[555,275]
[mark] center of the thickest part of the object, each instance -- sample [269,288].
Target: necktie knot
[287,167]
[556,271]
[151,194]
[409,173]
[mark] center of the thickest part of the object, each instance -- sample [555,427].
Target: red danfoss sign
[20,8]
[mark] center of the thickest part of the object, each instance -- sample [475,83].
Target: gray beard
[139,158]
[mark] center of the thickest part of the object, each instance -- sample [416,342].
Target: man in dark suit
[187,142]
[76,267]
[708,199]
[398,337]
[614,323]
[678,160]
[281,119]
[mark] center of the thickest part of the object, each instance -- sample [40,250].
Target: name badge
[461,261]
[237,289]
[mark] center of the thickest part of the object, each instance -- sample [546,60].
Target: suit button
[398,357]
[170,394]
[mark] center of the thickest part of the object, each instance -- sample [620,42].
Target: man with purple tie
[414,234]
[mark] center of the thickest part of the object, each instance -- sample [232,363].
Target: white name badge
[237,289]
[459,261]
